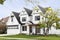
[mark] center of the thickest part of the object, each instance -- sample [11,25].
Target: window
[12,18]
[24,19]
[38,30]
[12,26]
[37,10]
[24,28]
[37,18]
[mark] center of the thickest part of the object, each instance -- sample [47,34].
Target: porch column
[41,32]
[33,29]
[27,30]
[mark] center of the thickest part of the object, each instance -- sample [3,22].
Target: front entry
[30,30]
[37,30]
[34,30]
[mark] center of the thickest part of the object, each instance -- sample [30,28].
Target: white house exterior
[13,26]
[27,22]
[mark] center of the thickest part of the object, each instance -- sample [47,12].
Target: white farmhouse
[27,22]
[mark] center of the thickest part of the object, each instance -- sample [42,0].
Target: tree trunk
[47,30]
[44,31]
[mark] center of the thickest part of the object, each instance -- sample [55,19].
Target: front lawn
[37,37]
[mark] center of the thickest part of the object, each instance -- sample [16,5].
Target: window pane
[38,30]
[24,19]
[37,18]
[12,27]
[24,28]
[12,18]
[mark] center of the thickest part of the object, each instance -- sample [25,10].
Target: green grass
[2,39]
[37,37]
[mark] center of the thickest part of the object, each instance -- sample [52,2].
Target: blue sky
[17,5]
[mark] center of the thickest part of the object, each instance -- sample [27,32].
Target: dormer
[36,16]
[36,10]
[24,15]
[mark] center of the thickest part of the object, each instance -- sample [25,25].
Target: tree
[50,16]
[2,1]
[43,25]
[58,20]
[2,28]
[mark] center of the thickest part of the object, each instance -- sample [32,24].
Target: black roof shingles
[42,9]
[29,12]
[17,17]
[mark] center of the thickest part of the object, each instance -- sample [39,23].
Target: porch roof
[33,24]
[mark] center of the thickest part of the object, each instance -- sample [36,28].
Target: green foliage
[41,25]
[50,18]
[2,1]
[57,25]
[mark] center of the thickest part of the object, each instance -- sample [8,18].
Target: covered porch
[32,29]
[35,29]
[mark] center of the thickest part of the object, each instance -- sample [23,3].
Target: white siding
[13,31]
[53,30]
[33,18]
[15,22]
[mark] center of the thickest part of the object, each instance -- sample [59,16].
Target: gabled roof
[42,9]
[29,12]
[17,17]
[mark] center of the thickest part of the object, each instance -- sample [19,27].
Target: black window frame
[37,18]
[12,18]
[12,26]
[23,19]
[38,30]
[24,28]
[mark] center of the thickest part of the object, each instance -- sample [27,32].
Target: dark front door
[30,29]
[37,30]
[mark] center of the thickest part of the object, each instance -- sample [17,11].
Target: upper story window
[37,18]
[23,19]
[12,18]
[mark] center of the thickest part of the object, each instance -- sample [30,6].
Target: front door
[37,30]
[30,30]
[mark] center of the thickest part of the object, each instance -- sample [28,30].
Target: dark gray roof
[42,9]
[17,17]
[28,11]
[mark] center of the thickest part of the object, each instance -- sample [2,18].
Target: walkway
[7,38]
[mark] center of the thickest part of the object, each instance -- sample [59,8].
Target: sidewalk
[8,38]
[6,34]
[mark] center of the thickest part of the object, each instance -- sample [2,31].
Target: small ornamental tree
[43,25]
[50,18]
